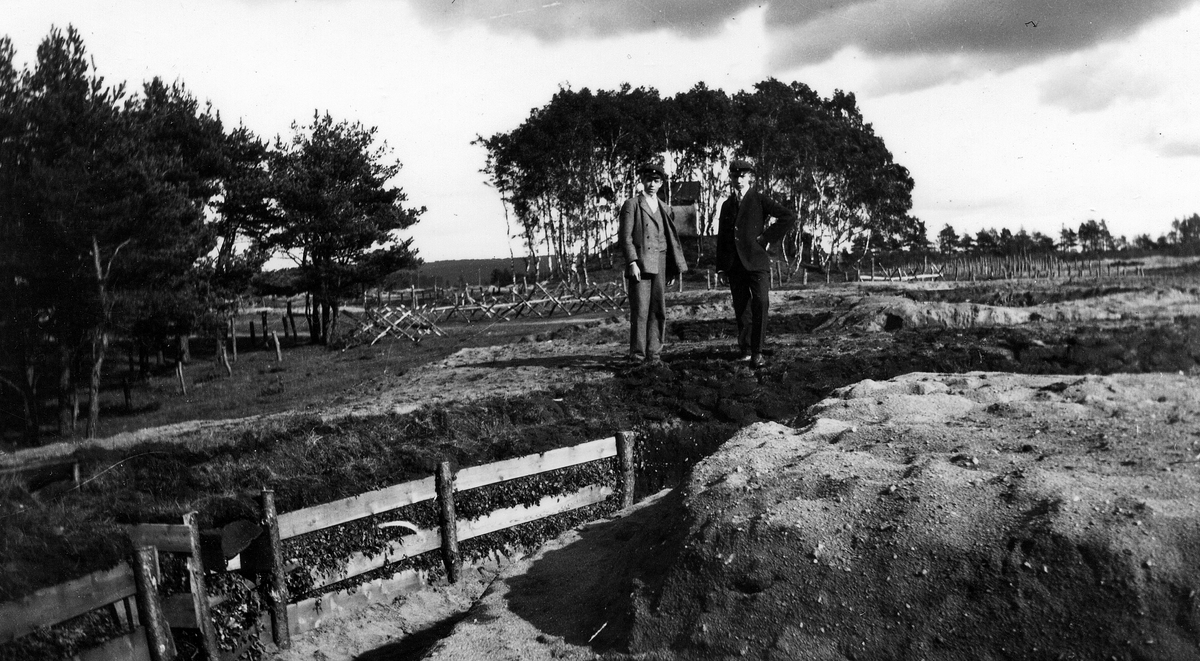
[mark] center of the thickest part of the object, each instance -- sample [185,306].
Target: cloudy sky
[1029,114]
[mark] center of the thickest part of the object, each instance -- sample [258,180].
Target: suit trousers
[648,312]
[751,298]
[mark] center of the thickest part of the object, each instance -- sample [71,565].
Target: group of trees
[140,215]
[564,170]
[1091,236]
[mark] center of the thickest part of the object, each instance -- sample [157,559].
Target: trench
[688,407]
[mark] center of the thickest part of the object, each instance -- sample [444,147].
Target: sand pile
[931,516]
[935,516]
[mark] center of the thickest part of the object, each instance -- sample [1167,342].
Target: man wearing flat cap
[653,256]
[743,238]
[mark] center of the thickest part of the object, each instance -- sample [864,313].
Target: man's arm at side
[626,231]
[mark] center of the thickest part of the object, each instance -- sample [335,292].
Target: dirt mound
[946,309]
[945,517]
[890,313]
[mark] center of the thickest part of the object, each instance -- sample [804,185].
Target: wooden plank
[129,647]
[64,601]
[350,509]
[167,538]
[358,563]
[549,506]
[180,610]
[430,540]
[312,613]
[509,469]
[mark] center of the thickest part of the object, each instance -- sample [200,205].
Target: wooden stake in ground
[625,442]
[448,522]
[253,337]
[179,373]
[278,351]
[233,338]
[276,580]
[150,613]
[225,360]
[195,568]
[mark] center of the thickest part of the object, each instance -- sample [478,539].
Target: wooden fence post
[224,358]
[233,338]
[195,568]
[179,373]
[277,592]
[448,522]
[253,337]
[264,325]
[150,612]
[278,351]
[625,443]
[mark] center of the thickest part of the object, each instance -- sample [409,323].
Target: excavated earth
[890,493]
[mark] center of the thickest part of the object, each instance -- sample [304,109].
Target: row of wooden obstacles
[412,323]
[131,589]
[1001,268]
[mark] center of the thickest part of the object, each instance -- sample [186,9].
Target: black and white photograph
[613,330]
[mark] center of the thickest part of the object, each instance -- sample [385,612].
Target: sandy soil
[939,516]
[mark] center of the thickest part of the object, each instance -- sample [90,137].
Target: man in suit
[743,237]
[653,257]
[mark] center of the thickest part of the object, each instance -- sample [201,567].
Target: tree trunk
[33,428]
[331,317]
[65,419]
[99,346]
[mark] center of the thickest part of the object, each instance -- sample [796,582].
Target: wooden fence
[309,613]
[151,638]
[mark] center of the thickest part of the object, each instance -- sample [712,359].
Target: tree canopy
[563,170]
[140,216]
[337,215]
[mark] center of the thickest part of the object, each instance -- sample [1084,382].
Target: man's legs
[657,310]
[759,284]
[739,287]
[640,293]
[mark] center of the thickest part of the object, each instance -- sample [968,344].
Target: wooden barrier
[149,641]
[189,610]
[192,609]
[311,612]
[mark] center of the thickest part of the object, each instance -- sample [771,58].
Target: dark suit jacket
[633,229]
[746,236]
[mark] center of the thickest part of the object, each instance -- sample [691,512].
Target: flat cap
[652,168]
[740,164]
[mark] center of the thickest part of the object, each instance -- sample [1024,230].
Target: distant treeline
[1092,236]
